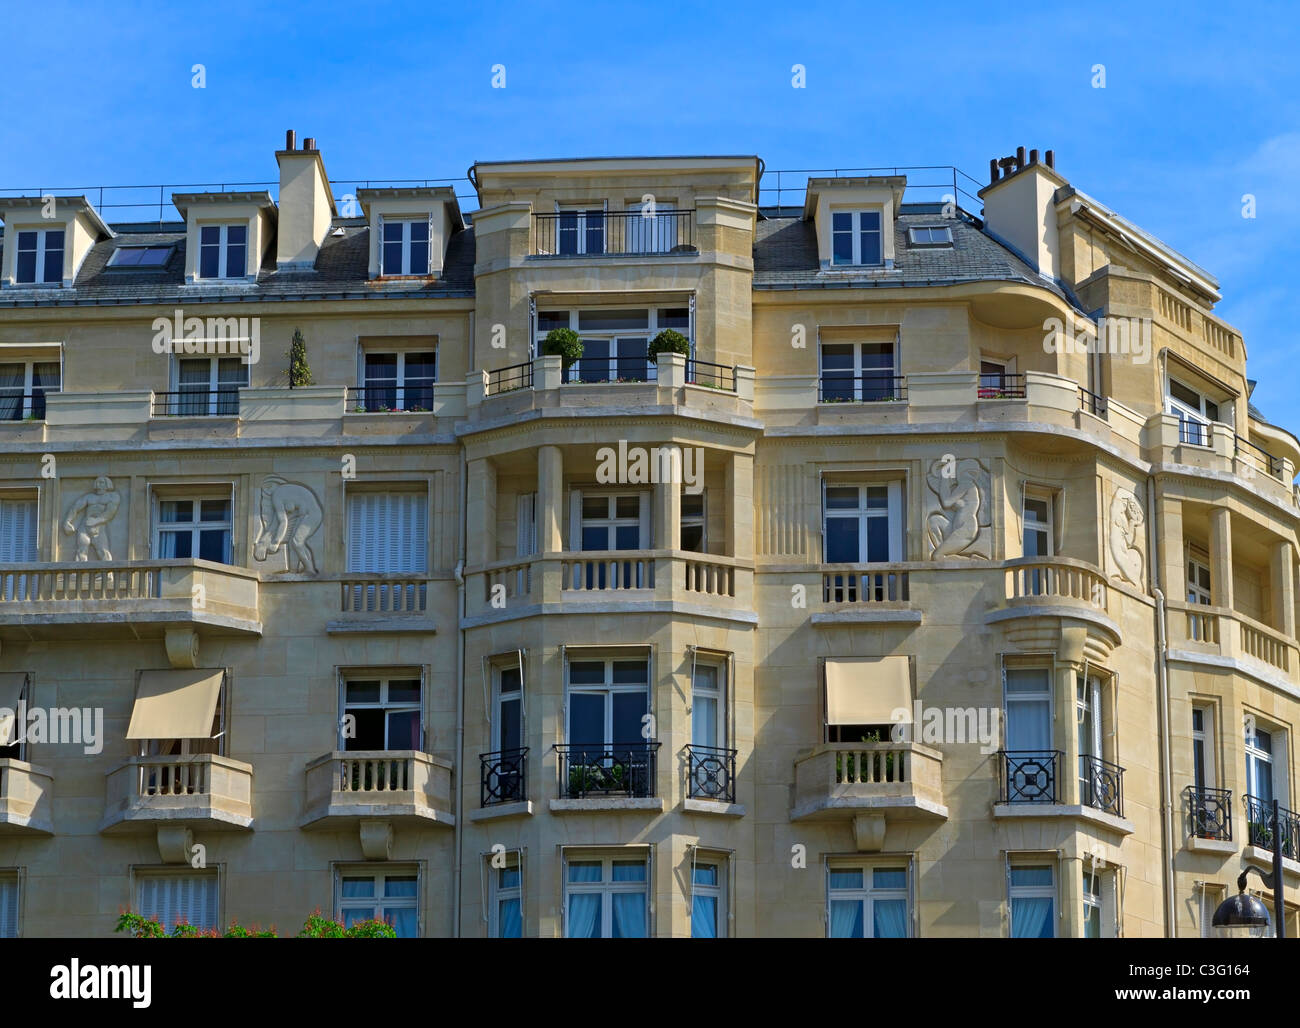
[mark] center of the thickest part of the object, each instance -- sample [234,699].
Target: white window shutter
[9,907]
[526,525]
[388,533]
[895,502]
[575,519]
[17,531]
[647,522]
[435,264]
[379,243]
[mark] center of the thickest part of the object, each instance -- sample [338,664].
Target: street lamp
[1243,915]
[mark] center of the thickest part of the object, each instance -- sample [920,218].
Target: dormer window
[223,251]
[140,256]
[406,246]
[40,257]
[930,235]
[856,237]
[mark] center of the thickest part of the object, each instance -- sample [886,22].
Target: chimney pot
[993,169]
[290,139]
[1050,157]
[1020,157]
[1033,156]
[309,143]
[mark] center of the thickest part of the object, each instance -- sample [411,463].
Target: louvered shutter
[17,531]
[9,907]
[170,899]
[526,530]
[388,533]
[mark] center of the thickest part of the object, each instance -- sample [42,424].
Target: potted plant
[299,370]
[563,343]
[668,341]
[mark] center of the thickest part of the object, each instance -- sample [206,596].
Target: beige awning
[11,689]
[868,690]
[177,704]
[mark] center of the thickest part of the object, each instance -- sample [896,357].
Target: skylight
[140,257]
[930,235]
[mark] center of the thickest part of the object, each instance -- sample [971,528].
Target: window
[868,902]
[507,902]
[23,386]
[198,527]
[1259,762]
[614,341]
[223,251]
[1030,756]
[863,523]
[40,257]
[1198,581]
[856,237]
[1091,904]
[859,371]
[406,247]
[930,235]
[1036,537]
[708,900]
[18,532]
[382,713]
[580,229]
[140,257]
[709,704]
[1203,747]
[606,707]
[172,899]
[610,521]
[208,386]
[1099,780]
[606,898]
[693,533]
[503,780]
[387,533]
[8,905]
[1195,412]
[389,896]
[14,687]
[399,381]
[1032,890]
[156,779]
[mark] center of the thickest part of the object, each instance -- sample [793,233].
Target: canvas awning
[11,689]
[868,690]
[175,704]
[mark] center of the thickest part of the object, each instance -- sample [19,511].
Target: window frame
[41,252]
[608,689]
[1046,529]
[606,888]
[655,314]
[420,554]
[719,692]
[718,891]
[27,405]
[223,246]
[1051,892]
[406,243]
[401,380]
[864,513]
[1187,412]
[165,248]
[1203,768]
[143,875]
[384,676]
[827,378]
[500,696]
[857,231]
[499,894]
[196,499]
[1037,697]
[219,399]
[582,230]
[944,240]
[868,893]
[12,877]
[215,744]
[377,902]
[20,748]
[700,520]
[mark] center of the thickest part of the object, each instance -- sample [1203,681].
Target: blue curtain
[509,919]
[846,919]
[629,915]
[1031,918]
[889,919]
[404,920]
[584,915]
[704,917]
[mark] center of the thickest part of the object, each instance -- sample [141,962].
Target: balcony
[196,403]
[390,399]
[347,788]
[1101,784]
[503,777]
[843,781]
[1035,589]
[130,599]
[199,791]
[1030,776]
[1259,827]
[600,233]
[1209,814]
[710,773]
[1030,785]
[1219,637]
[607,778]
[616,580]
[25,792]
[885,387]
[852,593]
[16,405]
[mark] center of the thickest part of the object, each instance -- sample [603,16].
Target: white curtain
[9,907]
[1031,918]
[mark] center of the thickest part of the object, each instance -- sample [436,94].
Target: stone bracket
[869,832]
[175,843]
[182,647]
[376,839]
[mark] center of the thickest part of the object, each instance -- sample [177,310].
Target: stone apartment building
[945,588]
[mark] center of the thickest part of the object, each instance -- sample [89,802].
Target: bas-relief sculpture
[288,515]
[88,519]
[1126,521]
[959,518]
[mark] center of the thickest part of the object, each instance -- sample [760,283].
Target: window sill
[381,624]
[872,614]
[1199,845]
[608,804]
[1119,825]
[1264,858]
[715,807]
[499,811]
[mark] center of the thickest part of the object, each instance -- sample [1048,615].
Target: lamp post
[1247,915]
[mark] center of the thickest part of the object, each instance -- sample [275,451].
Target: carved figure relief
[961,512]
[288,515]
[88,519]
[1126,521]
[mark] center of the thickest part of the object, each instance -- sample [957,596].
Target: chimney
[306,205]
[1020,208]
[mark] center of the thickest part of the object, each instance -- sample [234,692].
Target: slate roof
[785,256]
[342,269]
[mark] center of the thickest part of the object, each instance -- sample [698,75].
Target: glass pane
[704,917]
[846,919]
[613,321]
[704,721]
[846,879]
[509,919]
[586,911]
[404,690]
[404,730]
[363,692]
[629,871]
[404,921]
[214,510]
[877,540]
[627,537]
[354,914]
[172,511]
[586,724]
[706,874]
[596,538]
[511,735]
[235,261]
[585,870]
[842,540]
[629,709]
[237,235]
[392,258]
[358,887]
[842,498]
[629,910]
[888,878]
[214,545]
[586,672]
[395,886]
[1026,680]
[595,507]
[889,919]
[1037,875]
[630,672]
[508,878]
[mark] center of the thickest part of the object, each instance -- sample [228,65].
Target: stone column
[740,506]
[550,499]
[481,512]
[1221,557]
[1282,574]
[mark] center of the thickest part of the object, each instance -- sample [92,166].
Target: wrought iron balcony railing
[1258,457]
[1002,387]
[599,370]
[373,399]
[503,776]
[607,770]
[16,405]
[871,387]
[1101,784]
[507,380]
[1259,826]
[1030,776]
[197,403]
[710,375]
[596,232]
[1209,813]
[712,773]
[1091,403]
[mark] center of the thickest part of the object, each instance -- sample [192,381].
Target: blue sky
[1199,105]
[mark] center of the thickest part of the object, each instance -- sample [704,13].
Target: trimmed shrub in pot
[563,343]
[668,341]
